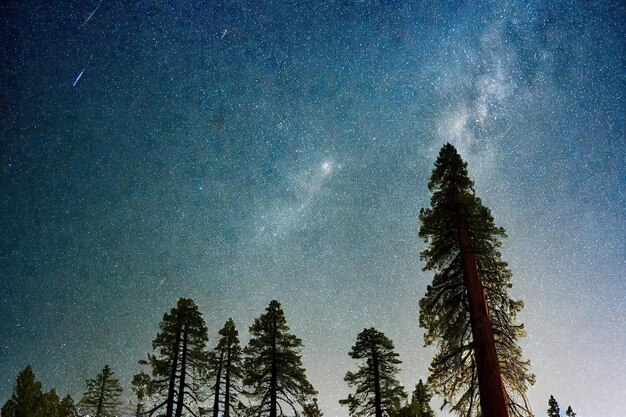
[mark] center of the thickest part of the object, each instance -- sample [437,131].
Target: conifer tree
[553,408]
[570,412]
[273,367]
[102,396]
[420,401]
[180,356]
[225,371]
[29,400]
[311,409]
[26,398]
[467,311]
[378,392]
[141,385]
[67,408]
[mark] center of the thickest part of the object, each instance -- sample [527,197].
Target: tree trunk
[101,396]
[492,401]
[218,377]
[181,381]
[273,381]
[169,411]
[378,409]
[227,385]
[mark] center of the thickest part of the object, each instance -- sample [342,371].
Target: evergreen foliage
[378,392]
[570,412]
[553,408]
[26,398]
[102,396]
[225,371]
[420,401]
[179,357]
[141,385]
[444,310]
[273,367]
[29,400]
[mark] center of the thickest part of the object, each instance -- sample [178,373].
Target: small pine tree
[570,412]
[102,396]
[420,400]
[273,366]
[67,408]
[225,371]
[378,391]
[141,387]
[312,409]
[26,398]
[553,408]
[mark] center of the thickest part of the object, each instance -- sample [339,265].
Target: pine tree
[311,409]
[553,408]
[141,385]
[467,311]
[570,412]
[26,398]
[225,371]
[49,405]
[378,392]
[420,401]
[180,355]
[67,408]
[273,366]
[102,396]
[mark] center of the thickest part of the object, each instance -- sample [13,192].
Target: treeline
[466,312]
[265,378]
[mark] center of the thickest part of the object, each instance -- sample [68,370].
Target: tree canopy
[378,392]
[445,308]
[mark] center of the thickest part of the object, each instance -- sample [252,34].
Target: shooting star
[81,73]
[223,34]
[87,20]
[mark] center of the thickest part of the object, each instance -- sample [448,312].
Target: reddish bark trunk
[492,400]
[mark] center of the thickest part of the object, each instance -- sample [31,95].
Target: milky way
[242,151]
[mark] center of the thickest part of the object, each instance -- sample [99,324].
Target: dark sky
[241,151]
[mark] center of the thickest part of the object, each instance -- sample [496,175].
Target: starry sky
[241,151]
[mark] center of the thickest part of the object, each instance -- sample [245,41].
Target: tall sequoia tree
[467,311]
[102,396]
[225,371]
[273,366]
[378,392]
[180,355]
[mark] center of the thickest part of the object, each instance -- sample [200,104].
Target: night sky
[237,152]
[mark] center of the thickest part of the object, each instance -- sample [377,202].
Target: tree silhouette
[570,412]
[141,385]
[273,366]
[102,396]
[553,408]
[225,371]
[378,392]
[26,398]
[179,357]
[466,311]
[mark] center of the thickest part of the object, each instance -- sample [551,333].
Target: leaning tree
[378,391]
[273,367]
[467,311]
[178,360]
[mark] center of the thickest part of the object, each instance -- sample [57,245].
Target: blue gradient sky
[288,159]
